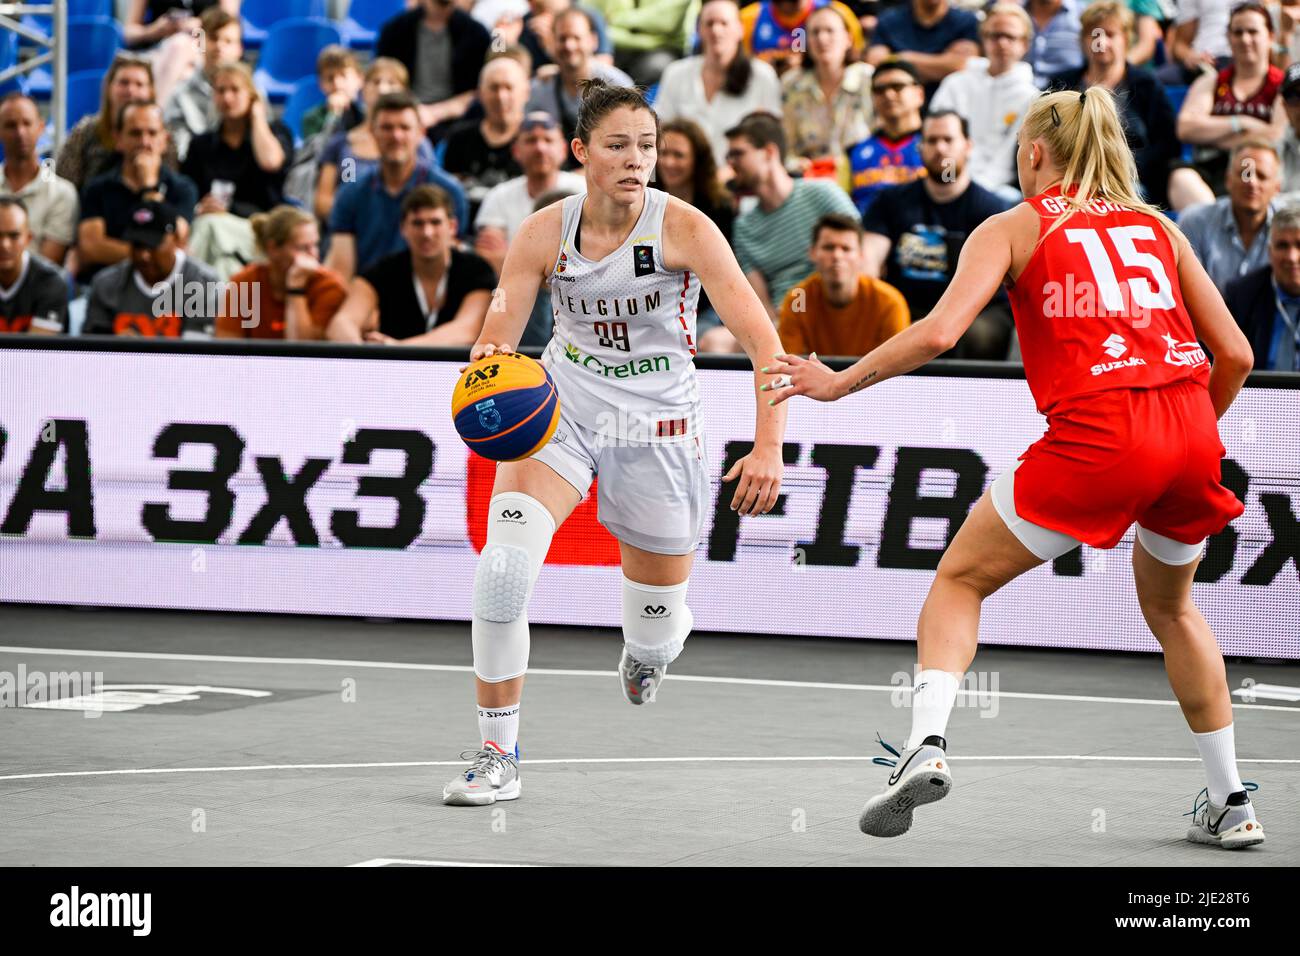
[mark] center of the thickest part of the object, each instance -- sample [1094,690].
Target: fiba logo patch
[643,260]
[563,263]
[488,415]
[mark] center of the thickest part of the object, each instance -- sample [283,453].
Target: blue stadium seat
[365,17]
[290,54]
[651,92]
[83,95]
[304,96]
[76,8]
[260,15]
[1176,96]
[92,44]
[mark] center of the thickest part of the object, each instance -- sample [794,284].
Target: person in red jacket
[1109,302]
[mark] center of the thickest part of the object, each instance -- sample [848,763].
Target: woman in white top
[722,86]
[625,263]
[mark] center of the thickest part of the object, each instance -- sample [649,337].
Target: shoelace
[484,761]
[1198,805]
[885,761]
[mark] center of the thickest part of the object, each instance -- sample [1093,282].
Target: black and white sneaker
[1231,826]
[920,776]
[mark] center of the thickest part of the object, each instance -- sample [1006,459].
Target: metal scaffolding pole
[53,52]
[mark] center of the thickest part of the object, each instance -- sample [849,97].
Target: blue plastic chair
[259,16]
[305,95]
[365,18]
[290,54]
[76,8]
[92,44]
[83,95]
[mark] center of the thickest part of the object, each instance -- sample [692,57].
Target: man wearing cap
[540,150]
[1290,143]
[158,290]
[108,201]
[33,293]
[892,155]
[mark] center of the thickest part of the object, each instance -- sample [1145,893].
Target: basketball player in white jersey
[625,264]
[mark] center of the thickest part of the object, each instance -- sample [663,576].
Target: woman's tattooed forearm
[863,382]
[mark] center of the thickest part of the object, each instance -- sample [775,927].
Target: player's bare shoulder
[688,235]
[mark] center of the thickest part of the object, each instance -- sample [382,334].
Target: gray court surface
[323,741]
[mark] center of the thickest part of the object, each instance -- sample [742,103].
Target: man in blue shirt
[365,220]
[1055,47]
[891,156]
[1266,302]
[928,34]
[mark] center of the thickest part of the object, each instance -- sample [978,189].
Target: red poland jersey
[1098,305]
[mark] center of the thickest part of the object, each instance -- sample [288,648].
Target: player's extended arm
[1215,327]
[985,259]
[696,240]
[528,260]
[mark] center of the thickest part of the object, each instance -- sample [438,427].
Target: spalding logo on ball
[505,407]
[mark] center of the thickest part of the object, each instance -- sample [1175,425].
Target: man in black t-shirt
[914,233]
[33,293]
[430,293]
[108,201]
[479,150]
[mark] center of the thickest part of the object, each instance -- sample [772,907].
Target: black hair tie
[1083,96]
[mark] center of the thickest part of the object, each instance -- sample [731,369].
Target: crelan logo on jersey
[75,909]
[629,369]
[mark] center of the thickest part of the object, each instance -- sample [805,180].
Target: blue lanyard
[1289,326]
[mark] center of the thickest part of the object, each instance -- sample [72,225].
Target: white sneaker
[640,682]
[493,776]
[1231,826]
[921,776]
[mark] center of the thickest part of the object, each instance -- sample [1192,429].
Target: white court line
[389,861]
[603,675]
[730,758]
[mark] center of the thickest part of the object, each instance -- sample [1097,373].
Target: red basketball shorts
[1112,458]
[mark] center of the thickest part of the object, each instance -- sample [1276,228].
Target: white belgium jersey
[624,343]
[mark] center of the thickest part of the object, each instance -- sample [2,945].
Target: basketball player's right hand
[482,350]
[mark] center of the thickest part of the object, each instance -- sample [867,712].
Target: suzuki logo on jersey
[1183,353]
[1114,346]
[643,261]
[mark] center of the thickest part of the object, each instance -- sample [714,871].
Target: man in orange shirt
[839,309]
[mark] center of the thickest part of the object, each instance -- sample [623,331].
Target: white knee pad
[656,621]
[519,532]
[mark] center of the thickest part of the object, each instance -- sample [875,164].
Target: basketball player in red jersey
[1131,402]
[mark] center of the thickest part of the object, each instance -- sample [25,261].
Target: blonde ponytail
[277,226]
[1085,138]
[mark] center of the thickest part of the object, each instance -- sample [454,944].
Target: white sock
[499,727]
[1219,754]
[933,696]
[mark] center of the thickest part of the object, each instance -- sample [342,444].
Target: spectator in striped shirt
[772,240]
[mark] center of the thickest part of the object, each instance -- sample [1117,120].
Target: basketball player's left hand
[801,376]
[760,480]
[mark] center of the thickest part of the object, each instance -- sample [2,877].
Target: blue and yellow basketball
[505,407]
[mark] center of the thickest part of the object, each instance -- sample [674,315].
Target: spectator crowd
[844,148]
